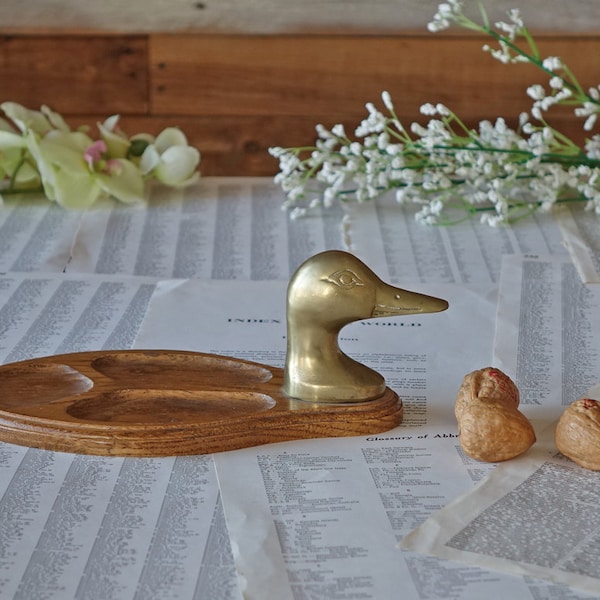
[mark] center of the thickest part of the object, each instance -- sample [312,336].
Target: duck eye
[346,279]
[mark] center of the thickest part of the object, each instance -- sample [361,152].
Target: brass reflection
[327,292]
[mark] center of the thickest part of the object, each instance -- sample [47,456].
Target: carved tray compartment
[161,403]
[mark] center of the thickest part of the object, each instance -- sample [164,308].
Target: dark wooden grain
[167,403]
[76,74]
[237,95]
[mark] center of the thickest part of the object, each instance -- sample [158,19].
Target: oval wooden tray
[162,403]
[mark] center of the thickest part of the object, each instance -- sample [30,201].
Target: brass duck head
[328,291]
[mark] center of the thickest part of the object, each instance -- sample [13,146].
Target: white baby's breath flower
[590,122]
[446,13]
[442,110]
[383,140]
[428,109]
[589,110]
[536,91]
[438,24]
[552,63]
[514,15]
[515,27]
[503,54]
[592,147]
[297,212]
[523,119]
[387,100]
[491,219]
[536,113]
[296,193]
[338,130]
[504,172]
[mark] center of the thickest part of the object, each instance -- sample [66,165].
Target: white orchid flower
[75,171]
[12,149]
[54,119]
[40,152]
[170,159]
[117,143]
[26,119]
[9,138]
[16,164]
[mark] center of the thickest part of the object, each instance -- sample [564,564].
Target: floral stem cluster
[498,172]
[40,153]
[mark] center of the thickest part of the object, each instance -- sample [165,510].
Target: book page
[77,526]
[221,228]
[324,516]
[546,333]
[533,516]
[386,234]
[96,527]
[36,235]
[422,357]
[582,239]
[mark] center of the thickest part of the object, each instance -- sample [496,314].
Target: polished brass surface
[327,292]
[169,402]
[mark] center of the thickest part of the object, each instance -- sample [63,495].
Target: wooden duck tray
[161,403]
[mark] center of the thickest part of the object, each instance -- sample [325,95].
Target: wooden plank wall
[236,95]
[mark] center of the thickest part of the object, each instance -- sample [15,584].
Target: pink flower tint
[94,153]
[113,167]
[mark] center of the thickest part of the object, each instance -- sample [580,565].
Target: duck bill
[392,301]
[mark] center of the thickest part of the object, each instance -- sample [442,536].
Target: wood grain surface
[237,95]
[166,403]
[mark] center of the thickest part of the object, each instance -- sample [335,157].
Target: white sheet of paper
[386,235]
[245,235]
[312,516]
[221,228]
[78,526]
[535,516]
[323,515]
[234,228]
[422,357]
[307,518]
[546,333]
[46,313]
[110,511]
[581,231]
[250,331]
[35,235]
